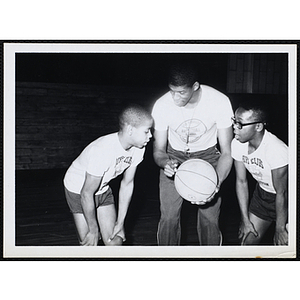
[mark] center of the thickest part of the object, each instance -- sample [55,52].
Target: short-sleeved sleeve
[235,153]
[278,158]
[98,162]
[225,113]
[138,156]
[159,112]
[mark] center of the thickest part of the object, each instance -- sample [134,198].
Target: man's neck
[195,99]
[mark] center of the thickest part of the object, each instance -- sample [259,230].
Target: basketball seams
[193,172]
[189,186]
[193,189]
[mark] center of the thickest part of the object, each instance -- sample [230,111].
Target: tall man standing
[190,120]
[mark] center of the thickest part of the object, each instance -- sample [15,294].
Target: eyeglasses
[240,125]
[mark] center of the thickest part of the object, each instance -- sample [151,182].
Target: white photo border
[10,250]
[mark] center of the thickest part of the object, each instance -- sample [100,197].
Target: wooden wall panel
[54,122]
[257,73]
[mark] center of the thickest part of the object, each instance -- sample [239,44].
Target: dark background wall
[64,101]
[55,121]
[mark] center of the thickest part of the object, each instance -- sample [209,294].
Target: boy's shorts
[74,200]
[262,204]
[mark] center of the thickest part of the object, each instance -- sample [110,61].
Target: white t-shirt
[197,126]
[271,154]
[103,157]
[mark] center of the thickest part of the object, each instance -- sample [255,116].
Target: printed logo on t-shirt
[191,131]
[122,163]
[255,166]
[253,161]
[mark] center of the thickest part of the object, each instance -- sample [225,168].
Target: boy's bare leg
[261,226]
[81,226]
[106,219]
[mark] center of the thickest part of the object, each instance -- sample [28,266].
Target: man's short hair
[134,115]
[258,108]
[183,74]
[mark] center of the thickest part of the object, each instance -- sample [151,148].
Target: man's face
[181,94]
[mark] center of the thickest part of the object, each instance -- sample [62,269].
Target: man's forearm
[224,166]
[161,158]
[243,199]
[125,195]
[281,210]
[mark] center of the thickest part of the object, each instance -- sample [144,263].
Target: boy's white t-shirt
[271,154]
[214,111]
[103,157]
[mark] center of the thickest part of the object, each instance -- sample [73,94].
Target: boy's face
[141,135]
[181,94]
[247,132]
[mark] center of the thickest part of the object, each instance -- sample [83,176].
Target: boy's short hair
[183,74]
[258,108]
[133,115]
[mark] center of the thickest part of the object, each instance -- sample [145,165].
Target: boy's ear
[196,86]
[259,126]
[129,129]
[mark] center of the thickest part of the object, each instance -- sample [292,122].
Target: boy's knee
[117,241]
[251,239]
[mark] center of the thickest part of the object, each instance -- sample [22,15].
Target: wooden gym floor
[43,217]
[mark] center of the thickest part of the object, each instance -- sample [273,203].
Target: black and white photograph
[150,150]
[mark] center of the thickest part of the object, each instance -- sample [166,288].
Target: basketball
[195,180]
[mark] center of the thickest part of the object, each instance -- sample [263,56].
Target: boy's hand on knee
[245,229]
[118,231]
[91,239]
[281,237]
[116,241]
